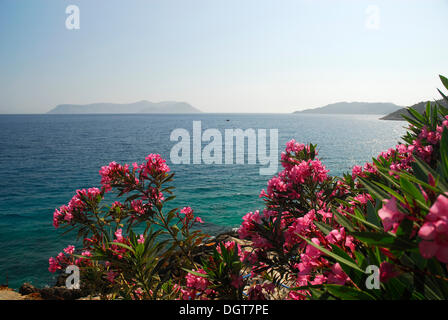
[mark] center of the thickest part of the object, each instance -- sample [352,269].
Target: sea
[44,159]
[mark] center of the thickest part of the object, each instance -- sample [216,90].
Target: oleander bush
[115,260]
[380,232]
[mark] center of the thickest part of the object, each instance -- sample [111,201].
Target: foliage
[133,266]
[380,232]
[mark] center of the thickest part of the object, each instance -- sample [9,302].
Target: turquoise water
[45,158]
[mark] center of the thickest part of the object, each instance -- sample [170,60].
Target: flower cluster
[77,207]
[316,230]
[127,262]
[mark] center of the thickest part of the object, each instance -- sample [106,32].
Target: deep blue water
[45,158]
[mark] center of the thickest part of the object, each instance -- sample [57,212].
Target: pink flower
[434,232]
[300,226]
[357,172]
[402,148]
[112,173]
[246,228]
[363,198]
[54,265]
[388,271]
[293,146]
[119,235]
[111,275]
[439,209]
[69,250]
[349,243]
[86,253]
[424,133]
[326,216]
[138,207]
[319,172]
[339,236]
[335,235]
[371,168]
[76,207]
[390,215]
[197,282]
[198,219]
[297,295]
[311,251]
[188,212]
[155,165]
[276,185]
[337,275]
[141,239]
[319,279]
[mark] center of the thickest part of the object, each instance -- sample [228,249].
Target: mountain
[420,107]
[354,108]
[136,107]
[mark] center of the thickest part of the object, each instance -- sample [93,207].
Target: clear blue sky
[221,55]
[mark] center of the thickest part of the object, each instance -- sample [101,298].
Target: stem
[167,227]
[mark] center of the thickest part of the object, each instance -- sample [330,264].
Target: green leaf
[386,240]
[372,216]
[428,170]
[411,121]
[123,245]
[444,152]
[444,96]
[434,114]
[343,221]
[444,81]
[412,190]
[417,180]
[374,190]
[405,228]
[428,111]
[348,293]
[323,227]
[361,259]
[355,275]
[416,115]
[390,191]
[365,222]
[196,273]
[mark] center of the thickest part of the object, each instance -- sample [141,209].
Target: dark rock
[52,293]
[61,293]
[27,288]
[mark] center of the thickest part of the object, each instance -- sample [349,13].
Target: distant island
[136,107]
[420,107]
[354,108]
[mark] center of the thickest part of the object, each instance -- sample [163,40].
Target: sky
[221,55]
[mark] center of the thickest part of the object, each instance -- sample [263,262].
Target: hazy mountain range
[389,110]
[354,108]
[136,107]
[420,107]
